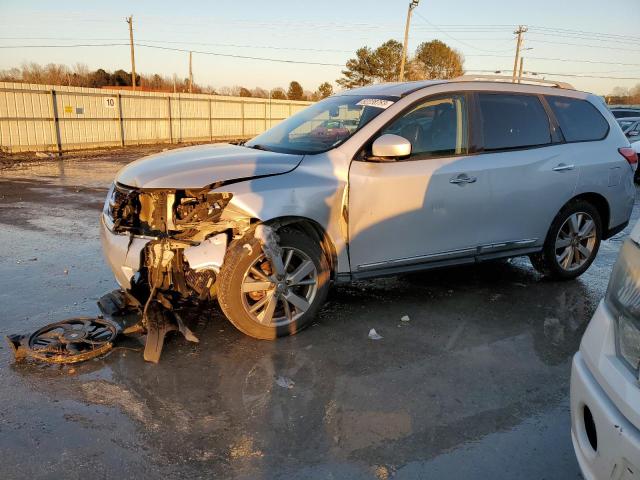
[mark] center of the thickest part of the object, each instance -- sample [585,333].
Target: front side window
[435,128]
[513,121]
[321,126]
[579,120]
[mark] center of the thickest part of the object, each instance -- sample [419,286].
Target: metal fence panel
[57,118]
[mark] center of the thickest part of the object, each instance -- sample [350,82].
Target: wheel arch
[601,204]
[314,230]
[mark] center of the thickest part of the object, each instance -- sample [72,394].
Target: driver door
[428,207]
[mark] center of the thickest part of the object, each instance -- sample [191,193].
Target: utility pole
[520,72]
[190,73]
[521,29]
[133,56]
[412,5]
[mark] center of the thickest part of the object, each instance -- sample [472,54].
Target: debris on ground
[373,335]
[69,341]
[405,318]
[79,339]
[285,382]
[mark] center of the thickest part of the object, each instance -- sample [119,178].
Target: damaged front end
[184,236]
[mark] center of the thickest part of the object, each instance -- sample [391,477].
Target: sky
[587,38]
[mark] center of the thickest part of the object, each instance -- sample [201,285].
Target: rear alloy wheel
[265,303]
[572,242]
[575,241]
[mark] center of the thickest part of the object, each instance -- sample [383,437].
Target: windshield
[322,126]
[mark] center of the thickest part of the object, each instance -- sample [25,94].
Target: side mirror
[390,147]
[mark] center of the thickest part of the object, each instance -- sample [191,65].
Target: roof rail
[509,79]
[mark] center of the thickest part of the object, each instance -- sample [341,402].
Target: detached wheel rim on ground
[575,241]
[279,301]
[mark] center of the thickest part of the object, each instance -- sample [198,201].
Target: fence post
[290,109]
[120,122]
[180,135]
[210,103]
[56,121]
[169,117]
[242,115]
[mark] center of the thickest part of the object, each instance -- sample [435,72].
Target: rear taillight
[629,154]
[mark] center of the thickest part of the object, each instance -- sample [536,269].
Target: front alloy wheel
[267,297]
[274,299]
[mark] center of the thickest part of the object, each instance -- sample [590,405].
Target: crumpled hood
[199,166]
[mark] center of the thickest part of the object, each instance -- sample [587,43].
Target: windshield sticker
[375,102]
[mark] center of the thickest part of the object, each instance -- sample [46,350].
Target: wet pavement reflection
[474,385]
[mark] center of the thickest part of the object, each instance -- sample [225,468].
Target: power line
[67,46]
[534,40]
[232,45]
[586,37]
[550,59]
[247,57]
[158,47]
[175,49]
[456,39]
[583,32]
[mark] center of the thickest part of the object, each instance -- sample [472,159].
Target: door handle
[562,167]
[462,179]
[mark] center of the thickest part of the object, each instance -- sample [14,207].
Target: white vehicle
[605,388]
[434,174]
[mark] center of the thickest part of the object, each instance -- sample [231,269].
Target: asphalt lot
[475,385]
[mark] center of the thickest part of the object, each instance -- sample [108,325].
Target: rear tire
[572,242]
[287,304]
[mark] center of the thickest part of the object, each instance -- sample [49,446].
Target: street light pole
[412,5]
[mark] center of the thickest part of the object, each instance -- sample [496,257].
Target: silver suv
[373,181]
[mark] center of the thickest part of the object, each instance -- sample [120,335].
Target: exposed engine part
[69,341]
[202,282]
[186,214]
[190,230]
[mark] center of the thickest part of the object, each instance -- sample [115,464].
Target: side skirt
[430,265]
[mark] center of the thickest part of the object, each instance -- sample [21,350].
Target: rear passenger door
[528,175]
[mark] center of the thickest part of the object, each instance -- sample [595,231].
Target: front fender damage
[181,238]
[191,230]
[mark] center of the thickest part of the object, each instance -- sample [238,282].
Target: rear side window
[579,120]
[513,121]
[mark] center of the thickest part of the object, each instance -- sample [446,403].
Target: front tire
[263,304]
[572,242]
